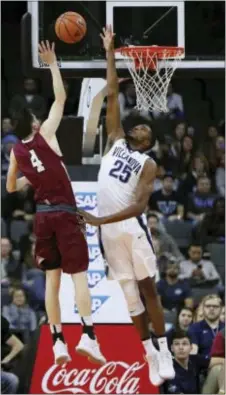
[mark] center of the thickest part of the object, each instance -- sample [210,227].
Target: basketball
[70,27]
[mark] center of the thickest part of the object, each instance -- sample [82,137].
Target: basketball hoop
[151,69]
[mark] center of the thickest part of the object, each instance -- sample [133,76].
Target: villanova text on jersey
[121,153]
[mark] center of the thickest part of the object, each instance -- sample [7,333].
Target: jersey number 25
[121,171]
[35,161]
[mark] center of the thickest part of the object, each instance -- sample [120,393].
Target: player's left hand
[91,219]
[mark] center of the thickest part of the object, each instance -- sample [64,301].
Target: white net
[151,76]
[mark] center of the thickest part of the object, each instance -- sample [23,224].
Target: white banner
[108,303]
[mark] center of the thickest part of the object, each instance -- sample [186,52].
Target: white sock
[149,346]
[56,328]
[87,320]
[163,345]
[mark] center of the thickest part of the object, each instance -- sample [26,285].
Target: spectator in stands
[10,268]
[209,143]
[199,168]
[166,203]
[187,367]
[30,270]
[167,155]
[174,293]
[19,205]
[11,346]
[179,132]
[222,316]
[8,143]
[33,281]
[198,315]
[218,151]
[186,156]
[215,382]
[184,320]
[167,244]
[25,242]
[29,99]
[160,173]
[35,288]
[7,127]
[201,201]
[203,332]
[175,147]
[127,100]
[220,177]
[197,270]
[21,317]
[212,227]
[174,103]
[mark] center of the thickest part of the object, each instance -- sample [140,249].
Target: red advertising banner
[125,372]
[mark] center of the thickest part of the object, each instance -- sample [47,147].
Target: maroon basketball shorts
[60,242]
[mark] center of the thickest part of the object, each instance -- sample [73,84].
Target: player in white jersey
[124,186]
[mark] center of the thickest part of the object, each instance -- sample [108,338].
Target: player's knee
[132,296]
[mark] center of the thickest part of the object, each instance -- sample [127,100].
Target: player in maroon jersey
[60,239]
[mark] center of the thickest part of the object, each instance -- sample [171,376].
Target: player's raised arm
[47,55]
[113,123]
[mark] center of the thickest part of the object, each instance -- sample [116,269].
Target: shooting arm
[144,189]
[50,126]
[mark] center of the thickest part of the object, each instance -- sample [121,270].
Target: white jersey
[119,175]
[127,244]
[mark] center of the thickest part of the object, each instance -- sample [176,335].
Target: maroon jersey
[45,171]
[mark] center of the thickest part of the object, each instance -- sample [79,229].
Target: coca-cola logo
[126,372]
[104,380]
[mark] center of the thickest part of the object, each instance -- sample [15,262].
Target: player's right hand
[90,219]
[108,38]
[47,52]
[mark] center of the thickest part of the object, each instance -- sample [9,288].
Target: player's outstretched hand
[91,219]
[47,52]
[108,38]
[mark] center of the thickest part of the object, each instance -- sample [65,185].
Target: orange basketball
[70,27]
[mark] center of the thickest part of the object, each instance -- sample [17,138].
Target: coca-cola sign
[126,371]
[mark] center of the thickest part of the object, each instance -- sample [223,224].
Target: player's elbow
[61,98]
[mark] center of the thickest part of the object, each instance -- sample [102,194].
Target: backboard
[172,23]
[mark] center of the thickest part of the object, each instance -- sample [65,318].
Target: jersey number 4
[121,171]
[35,161]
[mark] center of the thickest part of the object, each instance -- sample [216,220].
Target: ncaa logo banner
[107,296]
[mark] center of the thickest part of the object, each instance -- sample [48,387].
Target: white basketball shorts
[128,250]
